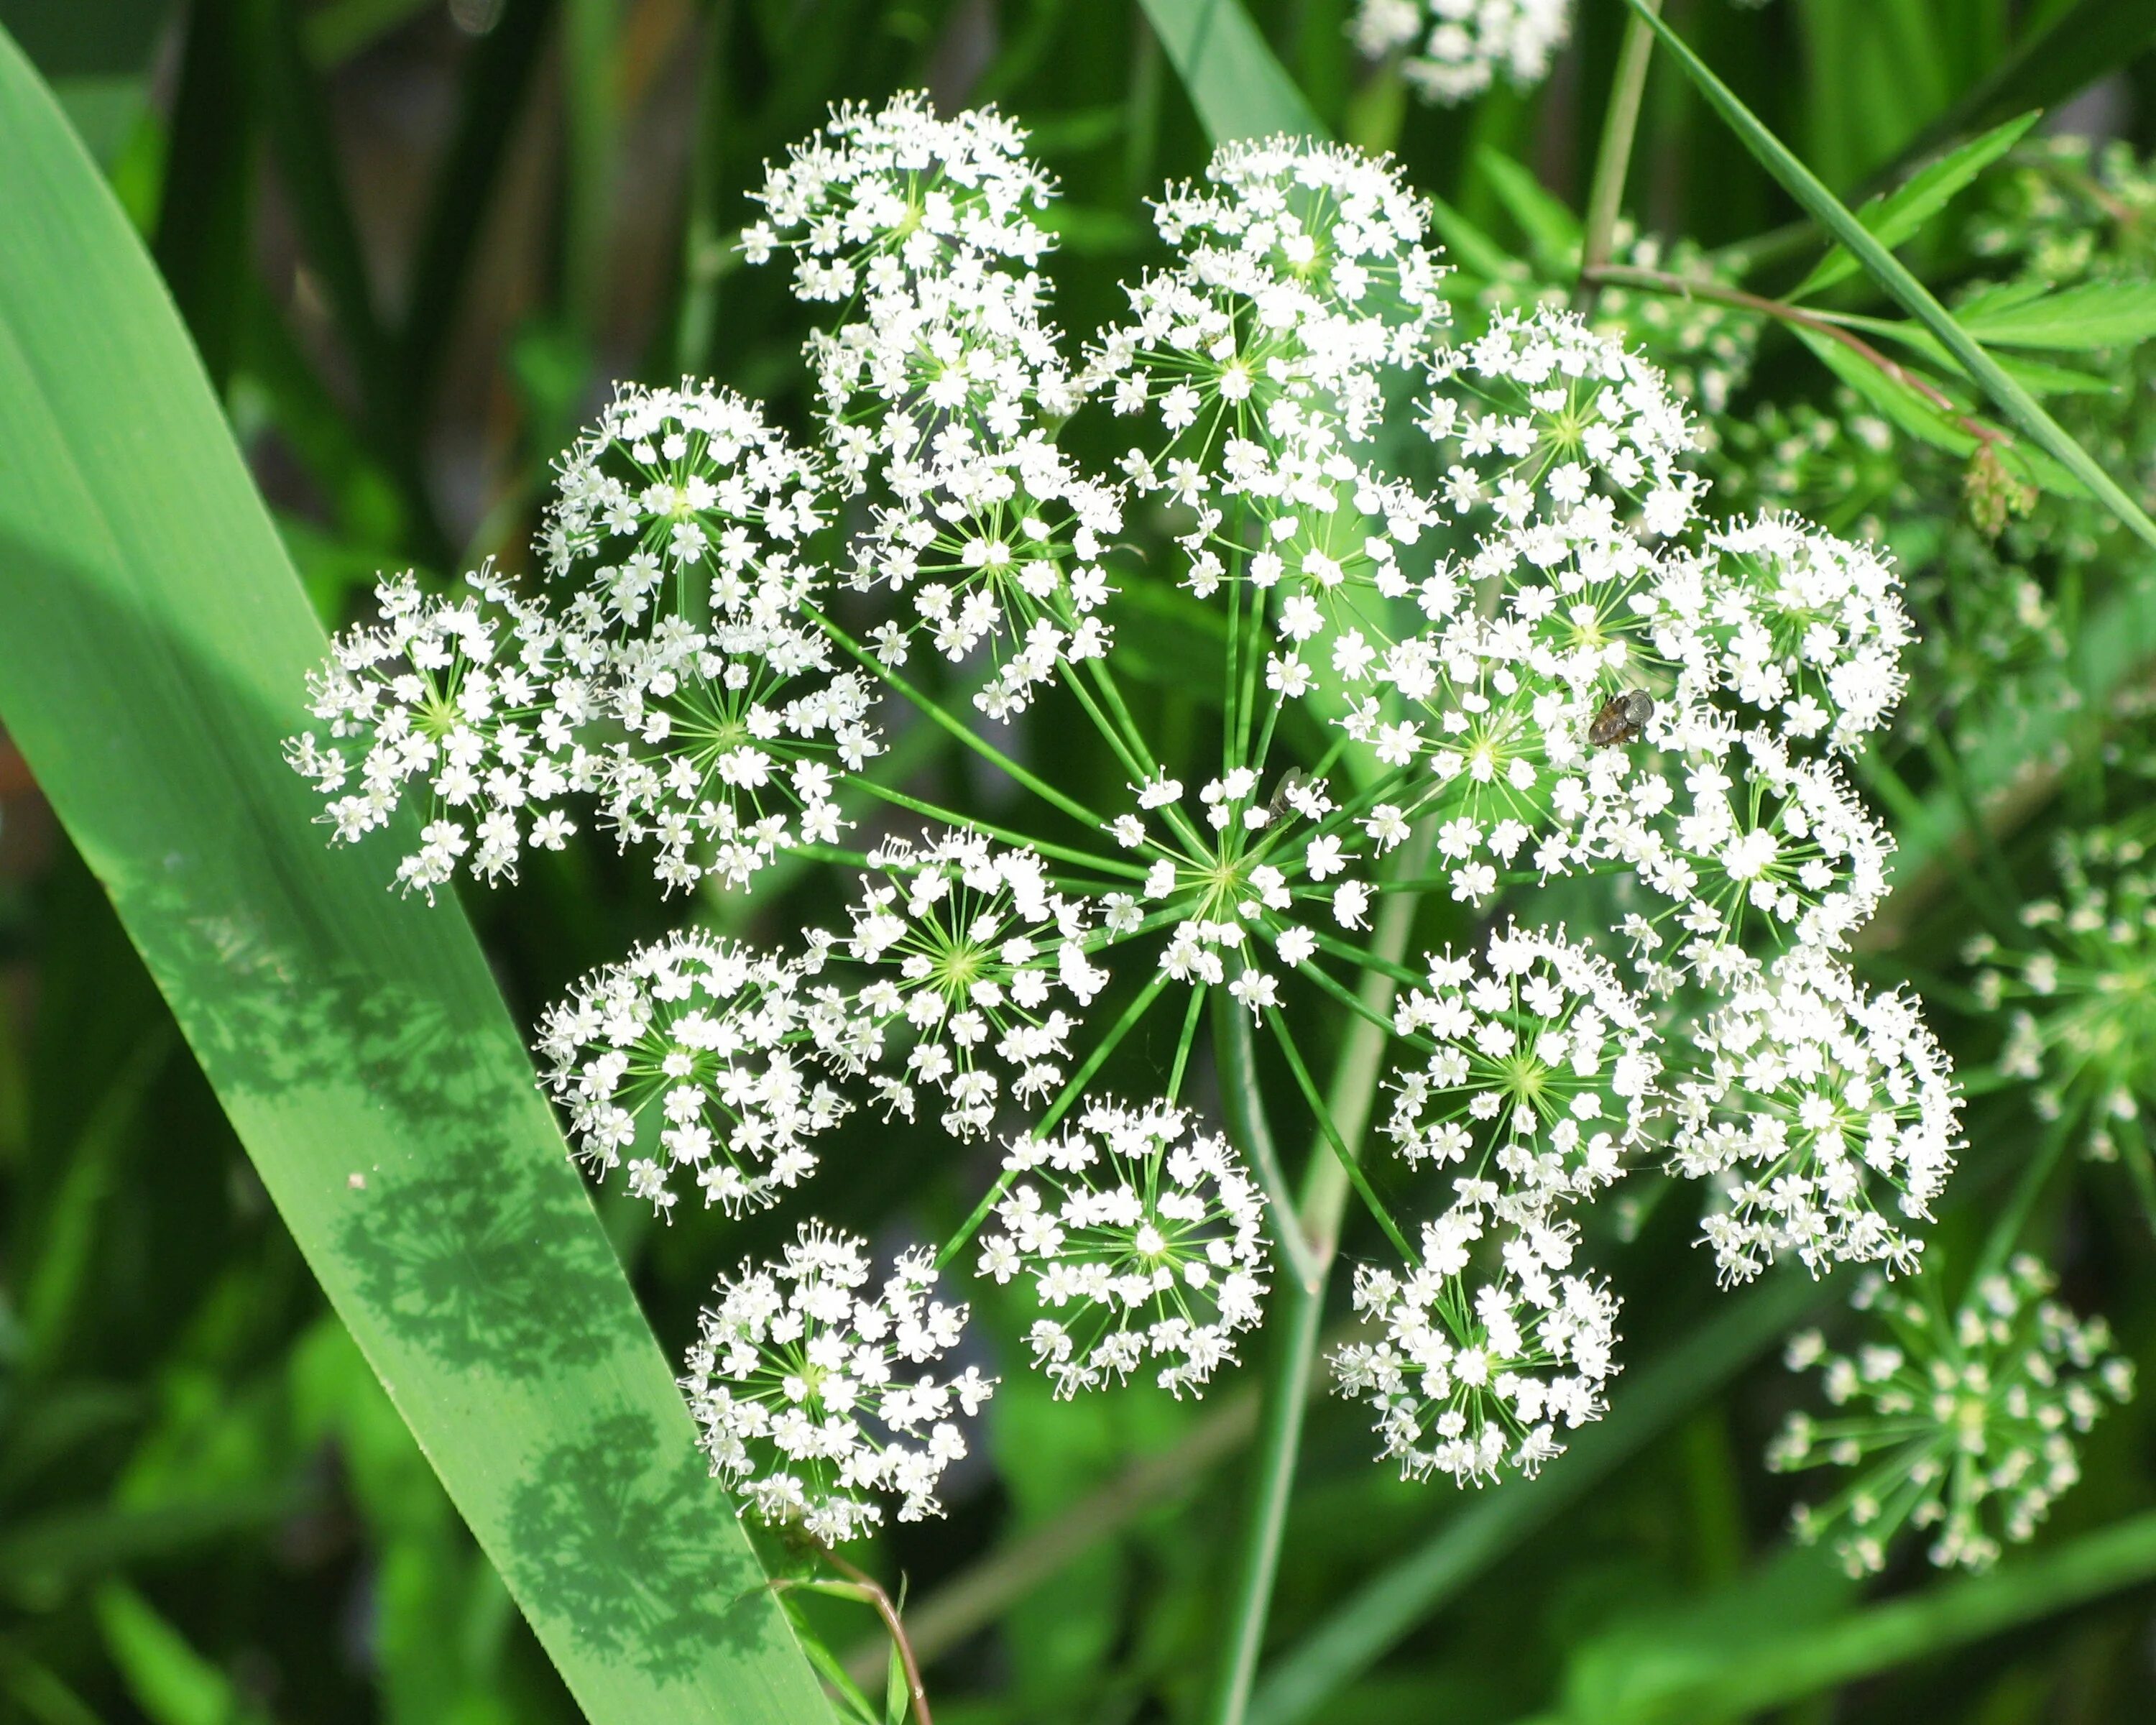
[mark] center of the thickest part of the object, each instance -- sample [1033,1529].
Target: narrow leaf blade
[2015,401]
[1240,89]
[2096,314]
[153,645]
[1897,215]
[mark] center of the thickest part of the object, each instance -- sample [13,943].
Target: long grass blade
[153,642]
[1801,183]
[1240,89]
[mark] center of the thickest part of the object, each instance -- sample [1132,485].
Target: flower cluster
[1963,1426]
[2080,993]
[941,388]
[1817,1110]
[1472,1375]
[1540,1069]
[481,702]
[1142,1240]
[692,1058]
[1476,641]
[969,951]
[1542,415]
[798,1380]
[1457,48]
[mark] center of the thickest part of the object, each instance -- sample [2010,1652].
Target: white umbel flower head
[2078,988]
[983,971]
[1469,1376]
[927,229]
[691,1062]
[801,1380]
[1540,1069]
[1141,1238]
[683,517]
[683,501]
[1458,49]
[1963,1427]
[478,703]
[903,187]
[1809,630]
[1305,282]
[1752,847]
[1826,1116]
[1541,415]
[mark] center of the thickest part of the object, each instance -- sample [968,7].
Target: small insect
[1621,719]
[1278,804]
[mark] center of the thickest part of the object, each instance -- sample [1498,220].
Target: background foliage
[414,242]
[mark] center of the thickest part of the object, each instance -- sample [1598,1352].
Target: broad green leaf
[1896,216]
[2096,314]
[1237,87]
[153,645]
[1552,230]
[1911,294]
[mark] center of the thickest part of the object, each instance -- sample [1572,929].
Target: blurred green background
[414,241]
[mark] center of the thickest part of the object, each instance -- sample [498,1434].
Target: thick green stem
[1299,1309]
[1246,1109]
[1612,159]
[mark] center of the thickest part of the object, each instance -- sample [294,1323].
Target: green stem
[956,727]
[1115,866]
[1183,1042]
[1612,159]
[1297,1311]
[1349,1163]
[1056,1110]
[1245,1104]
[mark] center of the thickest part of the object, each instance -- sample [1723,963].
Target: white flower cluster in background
[1457,48]
[1465,633]
[1962,1426]
[1452,51]
[2079,990]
